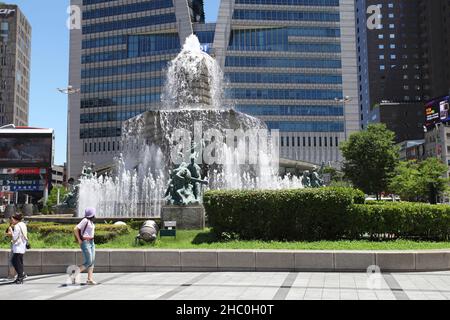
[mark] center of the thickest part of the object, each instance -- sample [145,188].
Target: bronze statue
[184,185]
[195,170]
[316,180]
[306,180]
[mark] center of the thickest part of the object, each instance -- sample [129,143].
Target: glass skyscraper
[289,62]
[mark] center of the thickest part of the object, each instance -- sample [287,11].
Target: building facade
[117,59]
[435,45]
[15,56]
[405,57]
[59,177]
[288,62]
[406,120]
[291,63]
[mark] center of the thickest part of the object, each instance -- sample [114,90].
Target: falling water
[193,87]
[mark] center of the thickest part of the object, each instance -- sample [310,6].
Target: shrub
[321,214]
[401,220]
[299,214]
[50,231]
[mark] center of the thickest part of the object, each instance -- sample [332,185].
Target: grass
[204,239]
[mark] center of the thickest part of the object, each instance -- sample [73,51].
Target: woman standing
[84,233]
[19,234]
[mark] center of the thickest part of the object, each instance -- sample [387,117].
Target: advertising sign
[25,150]
[36,171]
[437,110]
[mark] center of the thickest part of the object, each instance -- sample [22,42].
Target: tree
[53,196]
[370,158]
[423,181]
[432,181]
[336,177]
[406,181]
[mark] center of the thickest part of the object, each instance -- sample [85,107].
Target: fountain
[232,150]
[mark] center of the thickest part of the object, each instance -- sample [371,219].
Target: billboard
[437,110]
[26,149]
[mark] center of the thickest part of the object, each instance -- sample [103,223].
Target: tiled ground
[237,286]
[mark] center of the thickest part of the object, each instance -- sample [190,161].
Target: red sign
[23,171]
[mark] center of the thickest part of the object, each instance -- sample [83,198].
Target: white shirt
[19,240]
[88,227]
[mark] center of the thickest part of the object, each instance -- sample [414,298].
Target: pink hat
[89,212]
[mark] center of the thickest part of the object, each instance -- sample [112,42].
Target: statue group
[70,201]
[312,179]
[185,184]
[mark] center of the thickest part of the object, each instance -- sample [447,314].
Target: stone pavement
[236,286]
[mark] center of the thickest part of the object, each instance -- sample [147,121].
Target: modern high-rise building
[292,63]
[405,58]
[434,20]
[15,56]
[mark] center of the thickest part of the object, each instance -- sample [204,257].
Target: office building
[406,120]
[15,56]
[59,177]
[289,62]
[405,58]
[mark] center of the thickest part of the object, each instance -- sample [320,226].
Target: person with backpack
[19,239]
[84,234]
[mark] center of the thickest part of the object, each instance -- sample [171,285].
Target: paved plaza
[236,286]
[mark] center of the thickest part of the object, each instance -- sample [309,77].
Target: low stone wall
[45,261]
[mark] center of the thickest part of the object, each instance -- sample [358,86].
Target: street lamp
[344,100]
[69,90]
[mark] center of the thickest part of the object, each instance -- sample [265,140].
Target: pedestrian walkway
[236,286]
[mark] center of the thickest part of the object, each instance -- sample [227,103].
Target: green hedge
[299,214]
[400,220]
[321,214]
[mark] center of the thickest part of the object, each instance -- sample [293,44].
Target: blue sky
[50,64]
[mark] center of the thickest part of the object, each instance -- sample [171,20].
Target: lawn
[204,239]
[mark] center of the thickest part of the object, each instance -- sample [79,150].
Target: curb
[45,261]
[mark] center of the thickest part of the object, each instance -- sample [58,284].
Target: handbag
[27,245]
